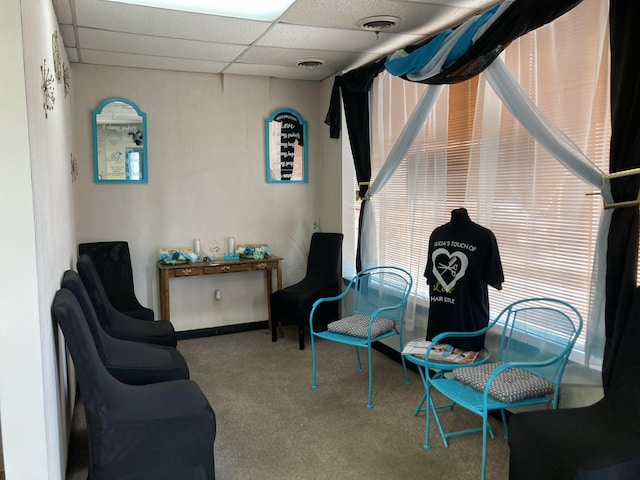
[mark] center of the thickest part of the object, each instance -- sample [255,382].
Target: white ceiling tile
[72,54]
[289,56]
[159,46]
[121,17]
[292,73]
[318,38]
[414,17]
[361,60]
[145,61]
[469,4]
[111,33]
[63,11]
[68,35]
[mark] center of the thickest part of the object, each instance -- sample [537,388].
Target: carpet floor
[271,425]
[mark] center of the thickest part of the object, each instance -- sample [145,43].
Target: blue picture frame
[287,146]
[120,142]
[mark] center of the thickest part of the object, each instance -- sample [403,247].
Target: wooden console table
[166,272]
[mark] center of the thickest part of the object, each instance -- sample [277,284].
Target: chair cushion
[357,326]
[512,385]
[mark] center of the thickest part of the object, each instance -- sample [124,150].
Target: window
[472,152]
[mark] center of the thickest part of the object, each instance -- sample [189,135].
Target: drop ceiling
[101,32]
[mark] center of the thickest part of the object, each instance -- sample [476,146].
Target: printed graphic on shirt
[448,268]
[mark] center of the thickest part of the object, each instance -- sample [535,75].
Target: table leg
[279,275]
[163,281]
[279,285]
[269,273]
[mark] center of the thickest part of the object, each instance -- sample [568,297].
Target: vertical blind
[473,153]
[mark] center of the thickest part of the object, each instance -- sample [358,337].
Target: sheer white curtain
[578,212]
[562,100]
[401,112]
[513,186]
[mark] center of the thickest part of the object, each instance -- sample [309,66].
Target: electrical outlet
[217,297]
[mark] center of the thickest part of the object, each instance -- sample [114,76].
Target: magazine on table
[441,352]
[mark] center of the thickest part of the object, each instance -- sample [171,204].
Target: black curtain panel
[355,86]
[622,253]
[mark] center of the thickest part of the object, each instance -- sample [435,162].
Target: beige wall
[206,160]
[37,240]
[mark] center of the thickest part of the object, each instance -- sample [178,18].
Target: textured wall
[206,154]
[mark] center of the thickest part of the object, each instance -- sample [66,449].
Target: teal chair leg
[432,408]
[404,368]
[314,385]
[370,402]
[358,357]
[420,405]
[504,424]
[404,363]
[485,424]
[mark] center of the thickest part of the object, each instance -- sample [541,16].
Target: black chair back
[132,362]
[99,389]
[116,323]
[325,256]
[625,369]
[93,284]
[71,281]
[112,262]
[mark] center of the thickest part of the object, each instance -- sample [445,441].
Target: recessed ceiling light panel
[379,23]
[247,9]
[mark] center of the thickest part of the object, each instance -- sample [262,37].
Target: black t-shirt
[463,260]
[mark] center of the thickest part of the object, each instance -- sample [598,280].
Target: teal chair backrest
[382,290]
[539,330]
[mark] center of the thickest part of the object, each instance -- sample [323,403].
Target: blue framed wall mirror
[120,142]
[286,149]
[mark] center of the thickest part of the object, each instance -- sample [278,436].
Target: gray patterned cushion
[357,325]
[512,385]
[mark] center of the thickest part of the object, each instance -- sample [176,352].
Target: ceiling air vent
[309,63]
[379,23]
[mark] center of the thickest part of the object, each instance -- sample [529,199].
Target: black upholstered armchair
[292,305]
[113,264]
[135,363]
[116,323]
[597,442]
[159,431]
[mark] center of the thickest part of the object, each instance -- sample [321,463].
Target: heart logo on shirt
[448,268]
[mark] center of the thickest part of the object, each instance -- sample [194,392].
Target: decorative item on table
[177,256]
[231,245]
[213,252]
[231,257]
[196,247]
[231,254]
[254,251]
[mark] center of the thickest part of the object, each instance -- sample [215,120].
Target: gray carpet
[273,425]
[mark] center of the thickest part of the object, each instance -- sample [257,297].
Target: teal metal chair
[380,297]
[538,335]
